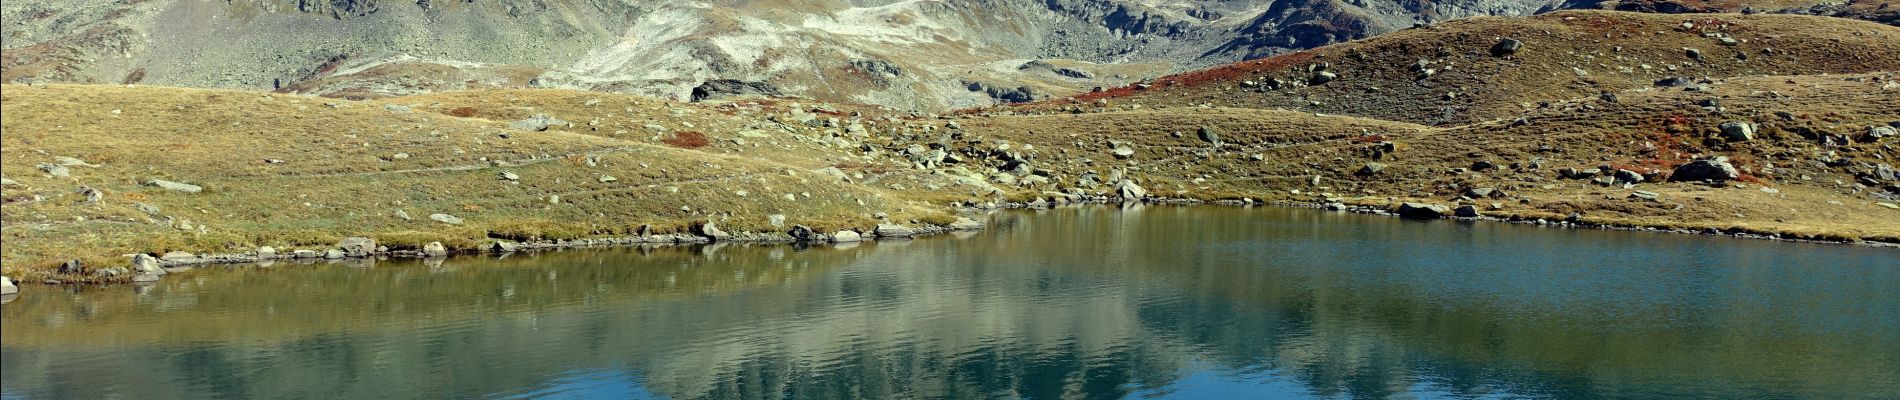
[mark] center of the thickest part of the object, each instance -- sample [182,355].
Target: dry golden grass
[347,170]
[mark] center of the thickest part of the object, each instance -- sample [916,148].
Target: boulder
[1874,134]
[965,224]
[1124,152]
[710,231]
[1628,176]
[1423,211]
[435,249]
[72,267]
[1714,168]
[1209,135]
[1322,77]
[144,264]
[1506,46]
[175,186]
[446,219]
[1479,193]
[508,176]
[802,233]
[7,287]
[266,253]
[1738,131]
[1370,169]
[333,254]
[536,123]
[1466,211]
[56,170]
[357,246]
[305,254]
[504,247]
[893,230]
[1129,191]
[846,237]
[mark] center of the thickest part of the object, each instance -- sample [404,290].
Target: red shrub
[687,140]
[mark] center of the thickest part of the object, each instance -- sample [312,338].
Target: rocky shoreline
[147,268]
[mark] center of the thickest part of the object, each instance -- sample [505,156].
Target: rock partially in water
[357,246]
[1423,211]
[144,264]
[1467,211]
[846,236]
[893,231]
[710,231]
[435,249]
[965,224]
[7,287]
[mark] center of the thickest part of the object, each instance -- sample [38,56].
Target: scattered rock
[56,170]
[504,247]
[1370,169]
[446,219]
[1423,211]
[1645,195]
[1692,53]
[1209,135]
[305,254]
[536,123]
[1479,193]
[357,246]
[333,254]
[508,176]
[266,253]
[1506,46]
[435,249]
[1875,133]
[846,237]
[175,186]
[1124,152]
[1714,168]
[396,108]
[72,267]
[608,178]
[7,287]
[1320,78]
[1628,176]
[1738,131]
[1466,211]
[893,230]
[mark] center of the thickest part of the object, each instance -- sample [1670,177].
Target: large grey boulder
[266,253]
[1708,169]
[894,230]
[1423,211]
[710,231]
[6,286]
[1208,134]
[357,246]
[145,264]
[1467,211]
[435,249]
[846,236]
[1738,131]
[536,123]
[1506,46]
[446,219]
[175,186]
[1876,133]
[802,233]
[1129,191]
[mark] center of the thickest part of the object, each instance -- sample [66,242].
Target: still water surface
[1154,302]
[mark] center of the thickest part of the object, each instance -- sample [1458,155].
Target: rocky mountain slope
[911,54]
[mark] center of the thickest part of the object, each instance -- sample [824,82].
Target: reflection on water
[1071,303]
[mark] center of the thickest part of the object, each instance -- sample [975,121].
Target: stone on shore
[145,278]
[846,236]
[357,246]
[144,264]
[435,249]
[802,233]
[1467,211]
[965,224]
[266,253]
[1129,191]
[7,287]
[894,230]
[710,231]
[178,256]
[1423,211]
